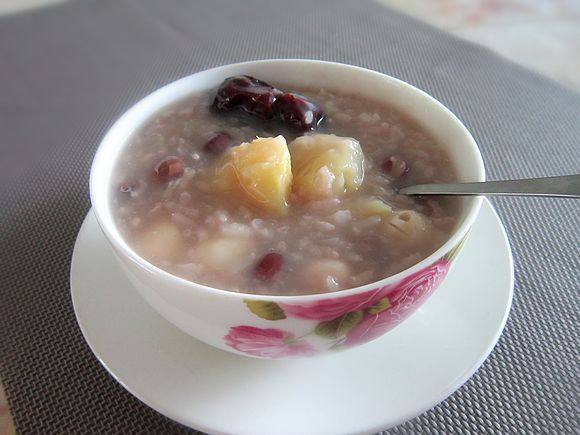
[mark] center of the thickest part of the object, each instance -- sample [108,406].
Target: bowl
[290,326]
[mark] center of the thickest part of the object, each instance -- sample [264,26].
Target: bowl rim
[119,244]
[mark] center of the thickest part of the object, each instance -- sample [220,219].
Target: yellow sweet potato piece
[259,171]
[325,165]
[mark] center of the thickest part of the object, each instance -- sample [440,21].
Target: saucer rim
[454,386]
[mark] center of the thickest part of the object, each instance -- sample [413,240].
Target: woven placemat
[66,74]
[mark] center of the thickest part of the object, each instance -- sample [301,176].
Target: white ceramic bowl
[290,326]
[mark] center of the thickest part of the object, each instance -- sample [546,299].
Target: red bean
[170,167]
[218,143]
[126,187]
[395,167]
[268,266]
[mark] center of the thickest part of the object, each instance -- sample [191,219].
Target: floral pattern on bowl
[267,342]
[340,321]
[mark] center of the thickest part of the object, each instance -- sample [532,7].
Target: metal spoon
[566,187]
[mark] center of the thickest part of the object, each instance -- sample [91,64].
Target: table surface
[541,35]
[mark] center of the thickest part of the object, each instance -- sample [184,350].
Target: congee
[281,190]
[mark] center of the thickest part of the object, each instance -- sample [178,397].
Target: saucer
[363,390]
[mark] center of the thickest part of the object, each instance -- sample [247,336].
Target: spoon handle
[566,187]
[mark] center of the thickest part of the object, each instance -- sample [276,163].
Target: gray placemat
[66,73]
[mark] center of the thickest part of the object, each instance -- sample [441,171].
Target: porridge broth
[185,226]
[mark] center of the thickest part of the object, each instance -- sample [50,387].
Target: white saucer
[366,389]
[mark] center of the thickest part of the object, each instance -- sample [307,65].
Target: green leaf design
[338,327]
[450,256]
[337,346]
[265,310]
[382,305]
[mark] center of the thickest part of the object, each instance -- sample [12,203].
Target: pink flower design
[404,297]
[328,309]
[267,343]
[414,289]
[404,293]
